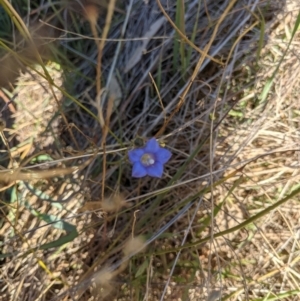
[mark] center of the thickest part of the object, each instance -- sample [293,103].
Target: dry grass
[76,226]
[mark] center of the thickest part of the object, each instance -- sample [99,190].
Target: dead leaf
[115,91]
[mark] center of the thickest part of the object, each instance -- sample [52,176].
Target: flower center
[147,159]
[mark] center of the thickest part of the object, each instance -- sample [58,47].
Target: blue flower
[149,160]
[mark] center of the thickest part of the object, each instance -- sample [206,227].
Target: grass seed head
[134,245]
[114,203]
[103,286]
[91,13]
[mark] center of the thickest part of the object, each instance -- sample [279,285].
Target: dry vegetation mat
[149,150]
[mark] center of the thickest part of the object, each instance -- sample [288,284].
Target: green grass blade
[268,86]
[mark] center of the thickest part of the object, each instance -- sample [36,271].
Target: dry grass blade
[138,53]
[204,54]
[182,35]
[222,221]
[19,175]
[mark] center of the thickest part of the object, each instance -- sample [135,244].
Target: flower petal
[163,155]
[155,170]
[151,146]
[135,155]
[138,170]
